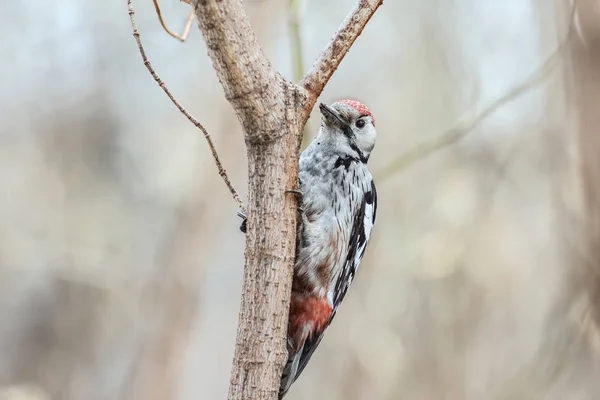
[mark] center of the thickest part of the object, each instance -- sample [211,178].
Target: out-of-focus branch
[586,91]
[186,29]
[294,15]
[318,76]
[163,86]
[294,11]
[470,121]
[171,305]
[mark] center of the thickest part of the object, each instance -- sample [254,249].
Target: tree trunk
[270,251]
[270,111]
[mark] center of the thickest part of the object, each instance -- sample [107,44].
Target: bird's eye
[360,123]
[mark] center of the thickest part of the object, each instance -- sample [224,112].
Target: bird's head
[351,125]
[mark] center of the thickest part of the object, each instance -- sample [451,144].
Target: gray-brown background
[120,255]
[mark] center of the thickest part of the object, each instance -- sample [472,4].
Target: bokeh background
[120,255]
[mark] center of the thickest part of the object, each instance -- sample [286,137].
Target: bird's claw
[297,193]
[300,197]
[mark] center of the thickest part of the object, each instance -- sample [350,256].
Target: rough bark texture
[586,70]
[260,346]
[273,113]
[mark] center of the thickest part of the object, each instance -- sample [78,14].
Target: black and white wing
[361,231]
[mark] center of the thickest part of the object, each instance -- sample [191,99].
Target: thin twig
[186,30]
[328,61]
[466,125]
[188,24]
[222,172]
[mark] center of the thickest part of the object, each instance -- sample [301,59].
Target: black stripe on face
[354,147]
[335,118]
[350,136]
[348,131]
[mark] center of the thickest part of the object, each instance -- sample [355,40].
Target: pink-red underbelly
[308,315]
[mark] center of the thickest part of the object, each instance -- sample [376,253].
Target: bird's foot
[244,221]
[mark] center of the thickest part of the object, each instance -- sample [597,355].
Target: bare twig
[467,124]
[186,30]
[193,120]
[318,76]
[188,24]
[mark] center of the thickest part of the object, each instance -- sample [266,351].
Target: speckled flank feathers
[339,204]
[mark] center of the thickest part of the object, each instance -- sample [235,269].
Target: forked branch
[186,30]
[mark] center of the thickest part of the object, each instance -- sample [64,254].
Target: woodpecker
[338,203]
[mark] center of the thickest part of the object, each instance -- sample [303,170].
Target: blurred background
[120,255]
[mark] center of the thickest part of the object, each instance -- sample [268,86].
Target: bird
[337,208]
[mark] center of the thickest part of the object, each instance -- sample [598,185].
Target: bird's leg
[244,220]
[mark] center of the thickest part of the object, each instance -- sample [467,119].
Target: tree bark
[272,112]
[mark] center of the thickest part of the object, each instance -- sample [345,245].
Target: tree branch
[186,29]
[318,76]
[197,124]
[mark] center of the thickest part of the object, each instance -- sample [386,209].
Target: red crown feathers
[358,106]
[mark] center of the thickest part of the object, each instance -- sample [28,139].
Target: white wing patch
[367,226]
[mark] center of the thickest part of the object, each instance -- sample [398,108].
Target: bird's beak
[330,116]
